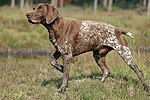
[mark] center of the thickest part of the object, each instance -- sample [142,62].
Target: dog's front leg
[66,70]
[54,62]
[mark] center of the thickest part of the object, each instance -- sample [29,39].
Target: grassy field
[35,79]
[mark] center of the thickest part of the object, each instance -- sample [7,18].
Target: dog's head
[43,13]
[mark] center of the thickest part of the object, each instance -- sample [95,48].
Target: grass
[35,79]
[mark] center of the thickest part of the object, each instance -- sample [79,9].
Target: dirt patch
[46,52]
[24,52]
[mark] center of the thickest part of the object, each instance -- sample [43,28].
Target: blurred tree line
[125,4]
[107,4]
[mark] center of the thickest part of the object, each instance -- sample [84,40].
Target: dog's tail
[127,33]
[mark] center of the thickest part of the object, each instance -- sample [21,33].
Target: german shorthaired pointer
[72,37]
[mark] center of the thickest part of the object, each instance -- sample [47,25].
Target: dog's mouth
[33,21]
[30,21]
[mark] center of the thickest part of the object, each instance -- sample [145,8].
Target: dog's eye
[34,8]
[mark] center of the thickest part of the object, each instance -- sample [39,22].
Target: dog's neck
[52,29]
[53,26]
[48,26]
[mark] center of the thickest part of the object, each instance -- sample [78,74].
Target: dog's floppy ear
[52,13]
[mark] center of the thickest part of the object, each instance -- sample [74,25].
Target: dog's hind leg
[99,56]
[125,53]
[54,62]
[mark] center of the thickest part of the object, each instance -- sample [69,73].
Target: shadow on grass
[115,77]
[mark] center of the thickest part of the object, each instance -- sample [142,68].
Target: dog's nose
[28,15]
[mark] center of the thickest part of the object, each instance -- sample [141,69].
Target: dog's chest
[52,37]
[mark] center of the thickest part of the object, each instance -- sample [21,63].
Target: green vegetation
[36,79]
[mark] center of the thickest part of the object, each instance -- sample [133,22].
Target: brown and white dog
[72,37]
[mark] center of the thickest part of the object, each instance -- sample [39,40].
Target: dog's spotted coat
[103,33]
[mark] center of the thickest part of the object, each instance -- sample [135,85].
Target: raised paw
[103,78]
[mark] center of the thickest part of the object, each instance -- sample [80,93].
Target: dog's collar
[49,26]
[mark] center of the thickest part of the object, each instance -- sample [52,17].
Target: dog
[72,37]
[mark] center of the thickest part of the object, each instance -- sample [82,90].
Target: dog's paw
[146,88]
[61,90]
